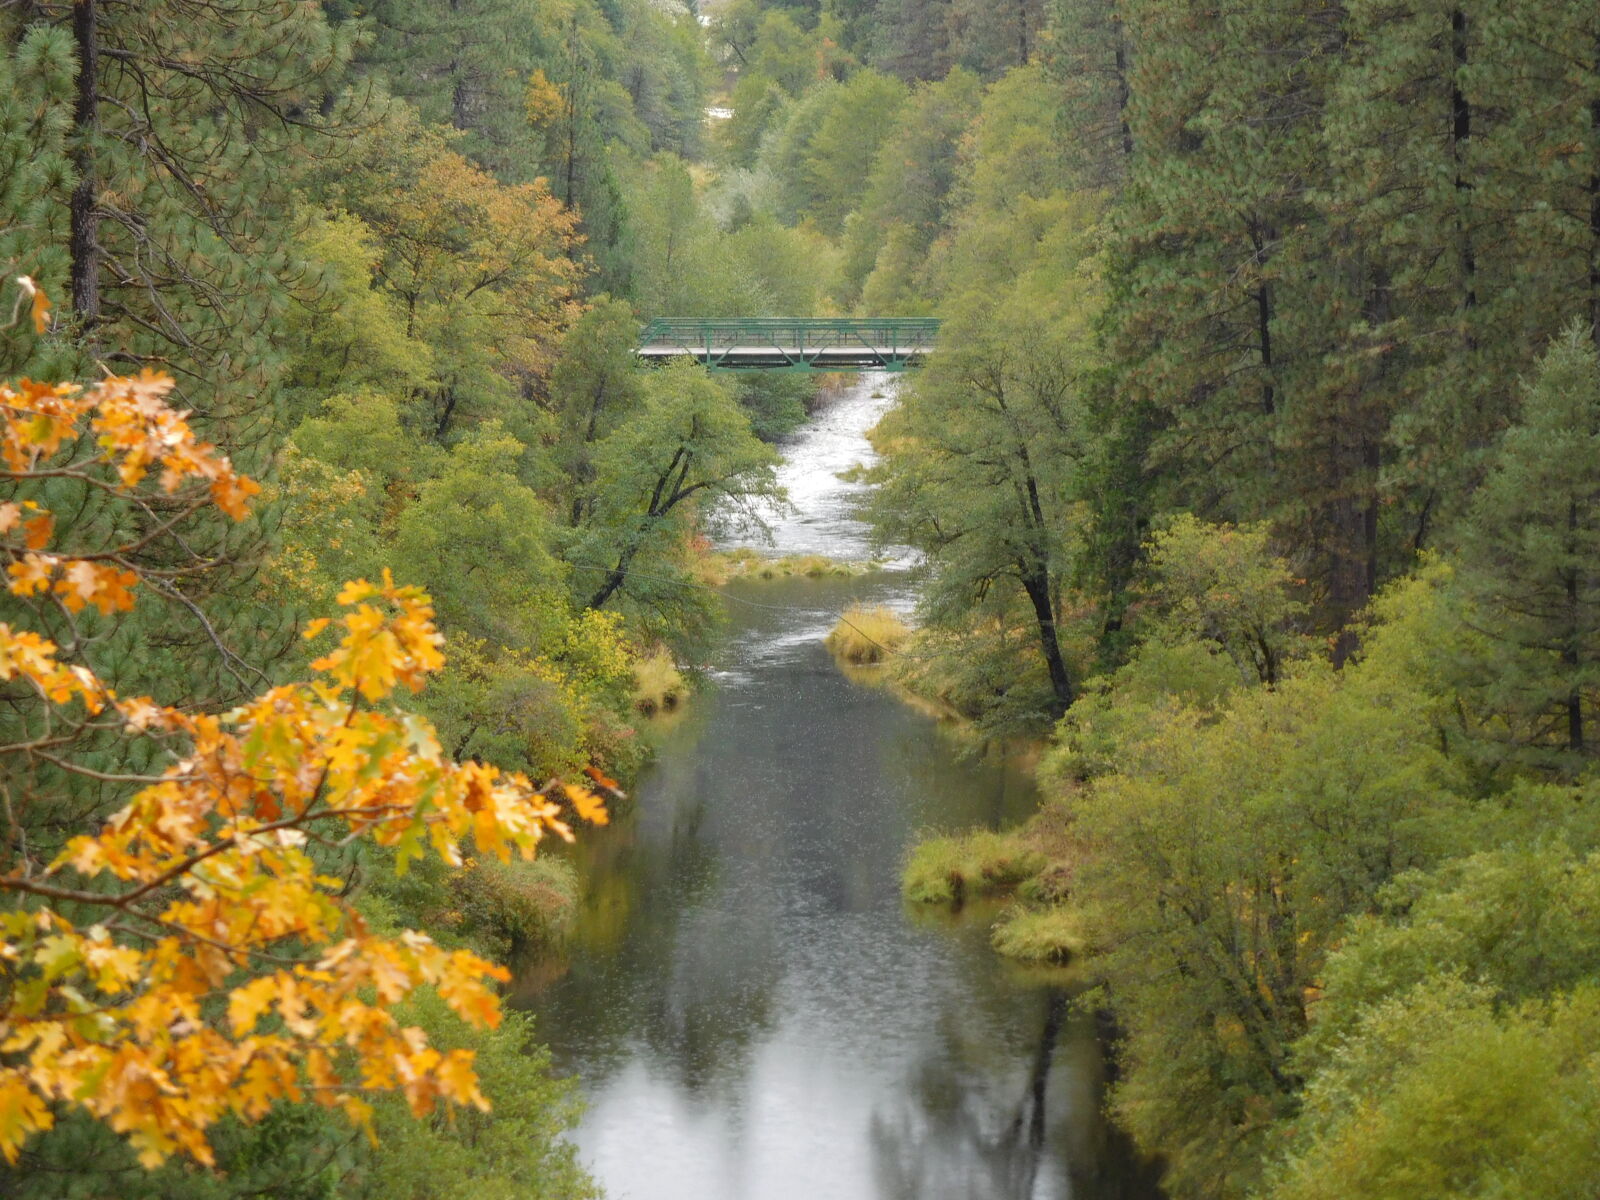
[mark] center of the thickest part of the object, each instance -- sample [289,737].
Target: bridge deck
[792,343]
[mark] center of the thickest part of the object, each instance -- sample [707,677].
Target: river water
[753,1012]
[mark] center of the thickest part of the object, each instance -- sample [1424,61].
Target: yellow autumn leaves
[212,884]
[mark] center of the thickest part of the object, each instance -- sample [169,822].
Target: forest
[1255,482]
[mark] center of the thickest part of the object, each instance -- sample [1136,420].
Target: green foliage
[530,684]
[1228,847]
[478,540]
[626,71]
[513,1152]
[182,176]
[1247,385]
[1452,1052]
[686,456]
[1329,245]
[1221,587]
[1159,680]
[517,908]
[594,388]
[686,265]
[351,335]
[478,274]
[907,200]
[860,117]
[1443,1097]
[978,458]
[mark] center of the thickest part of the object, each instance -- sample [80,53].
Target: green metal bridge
[792,343]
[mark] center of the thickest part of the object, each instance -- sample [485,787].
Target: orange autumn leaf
[31,294]
[39,310]
[248,979]
[588,806]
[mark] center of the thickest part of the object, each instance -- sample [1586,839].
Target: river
[753,1012]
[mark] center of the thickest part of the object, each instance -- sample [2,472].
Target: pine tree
[464,63]
[190,124]
[1462,143]
[1092,64]
[35,118]
[1531,553]
[913,39]
[1219,236]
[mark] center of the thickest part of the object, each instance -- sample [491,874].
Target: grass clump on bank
[745,562]
[950,870]
[867,636]
[1041,935]
[658,685]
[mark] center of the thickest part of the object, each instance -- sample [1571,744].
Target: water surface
[752,1011]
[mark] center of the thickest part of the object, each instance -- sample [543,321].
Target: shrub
[519,906]
[658,684]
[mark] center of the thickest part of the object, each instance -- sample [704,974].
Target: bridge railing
[795,343]
[913,333]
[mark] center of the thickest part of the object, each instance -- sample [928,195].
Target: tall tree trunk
[1259,237]
[1594,208]
[1353,574]
[1036,582]
[1124,89]
[671,487]
[584,473]
[84,239]
[614,578]
[1569,652]
[1460,135]
[1354,578]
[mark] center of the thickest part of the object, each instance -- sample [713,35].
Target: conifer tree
[464,63]
[913,39]
[1532,555]
[190,123]
[1237,297]
[1462,141]
[35,117]
[1092,63]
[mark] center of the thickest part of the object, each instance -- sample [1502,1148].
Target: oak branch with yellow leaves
[189,961]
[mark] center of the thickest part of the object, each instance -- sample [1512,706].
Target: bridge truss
[792,343]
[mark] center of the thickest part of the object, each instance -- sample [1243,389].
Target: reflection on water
[752,1011]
